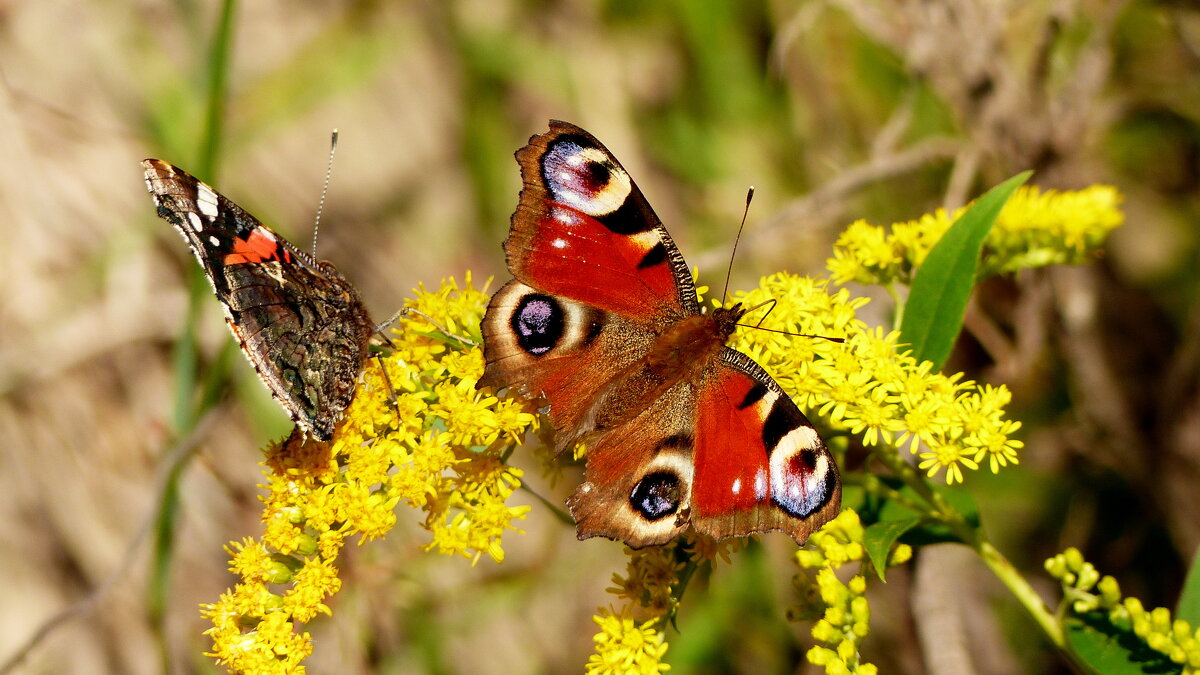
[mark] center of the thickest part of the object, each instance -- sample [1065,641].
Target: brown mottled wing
[299,322]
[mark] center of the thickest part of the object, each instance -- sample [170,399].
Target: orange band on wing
[260,246]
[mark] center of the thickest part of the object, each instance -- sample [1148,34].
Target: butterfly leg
[772,302]
[387,380]
[409,310]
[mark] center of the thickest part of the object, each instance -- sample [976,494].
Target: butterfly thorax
[681,352]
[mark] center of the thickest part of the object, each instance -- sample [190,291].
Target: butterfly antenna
[324,190]
[729,271]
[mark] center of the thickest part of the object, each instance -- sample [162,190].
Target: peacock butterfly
[603,323]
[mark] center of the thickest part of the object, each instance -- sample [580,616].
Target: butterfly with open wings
[602,322]
[298,321]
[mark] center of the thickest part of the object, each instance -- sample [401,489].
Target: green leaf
[928,531]
[878,540]
[933,313]
[1103,649]
[1188,607]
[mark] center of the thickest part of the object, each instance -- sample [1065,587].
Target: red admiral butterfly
[603,322]
[299,322]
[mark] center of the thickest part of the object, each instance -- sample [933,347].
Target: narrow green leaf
[1103,649]
[879,538]
[933,314]
[1188,607]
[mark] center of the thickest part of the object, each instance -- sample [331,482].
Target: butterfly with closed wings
[298,321]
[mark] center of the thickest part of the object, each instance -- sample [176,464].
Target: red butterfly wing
[584,231]
[759,463]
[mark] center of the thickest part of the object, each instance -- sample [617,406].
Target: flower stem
[898,303]
[973,537]
[1020,588]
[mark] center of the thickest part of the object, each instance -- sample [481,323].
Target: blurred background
[110,340]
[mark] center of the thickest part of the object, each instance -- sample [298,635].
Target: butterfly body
[602,322]
[299,322]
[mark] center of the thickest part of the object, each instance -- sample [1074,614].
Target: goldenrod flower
[1086,592]
[871,387]
[1034,229]
[420,436]
[623,646]
[650,577]
[841,610]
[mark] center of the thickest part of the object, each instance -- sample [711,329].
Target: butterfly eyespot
[537,323]
[800,477]
[584,177]
[656,495]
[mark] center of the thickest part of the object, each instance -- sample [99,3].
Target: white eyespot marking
[797,489]
[498,329]
[214,241]
[559,243]
[736,488]
[671,471]
[206,200]
[760,484]
[195,222]
[585,178]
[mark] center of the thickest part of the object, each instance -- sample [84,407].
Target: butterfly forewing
[583,230]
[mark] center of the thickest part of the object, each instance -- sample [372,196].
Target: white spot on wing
[559,243]
[195,221]
[206,200]
[736,488]
[214,241]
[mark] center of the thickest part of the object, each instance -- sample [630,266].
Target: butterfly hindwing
[565,352]
[638,481]
[300,323]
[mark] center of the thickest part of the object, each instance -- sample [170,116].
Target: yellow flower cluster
[844,615]
[1086,592]
[652,585]
[1034,229]
[869,387]
[623,646]
[417,433]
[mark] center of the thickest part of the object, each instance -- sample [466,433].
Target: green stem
[1020,588]
[898,316]
[562,515]
[973,537]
